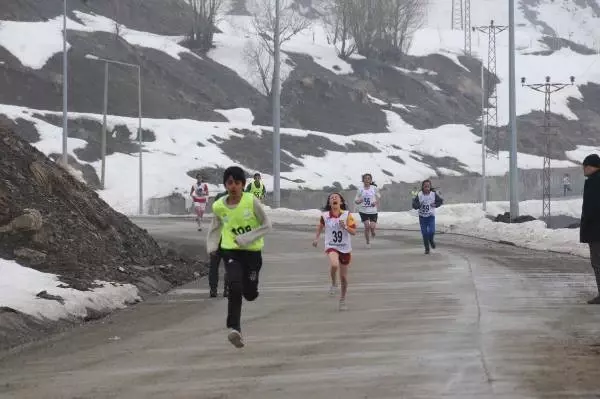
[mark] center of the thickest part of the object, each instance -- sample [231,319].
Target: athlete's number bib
[425,208]
[337,236]
[368,200]
[241,230]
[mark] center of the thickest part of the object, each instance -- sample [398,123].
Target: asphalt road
[472,320]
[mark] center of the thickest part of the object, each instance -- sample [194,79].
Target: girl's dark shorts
[368,216]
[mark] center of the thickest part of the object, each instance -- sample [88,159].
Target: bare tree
[290,22]
[260,64]
[336,16]
[261,54]
[406,16]
[117,12]
[375,27]
[205,17]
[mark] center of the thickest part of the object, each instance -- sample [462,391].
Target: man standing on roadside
[590,215]
[215,259]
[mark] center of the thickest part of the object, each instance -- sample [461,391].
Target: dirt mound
[505,218]
[52,222]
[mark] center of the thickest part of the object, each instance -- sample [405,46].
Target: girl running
[426,202]
[199,194]
[339,225]
[367,198]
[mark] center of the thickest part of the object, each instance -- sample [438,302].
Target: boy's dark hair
[427,181]
[327,206]
[236,173]
[257,174]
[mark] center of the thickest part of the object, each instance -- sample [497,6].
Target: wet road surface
[472,320]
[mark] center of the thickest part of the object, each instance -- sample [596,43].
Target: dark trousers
[595,259]
[427,229]
[213,271]
[242,268]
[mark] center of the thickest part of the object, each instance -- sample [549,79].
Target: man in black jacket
[213,270]
[590,215]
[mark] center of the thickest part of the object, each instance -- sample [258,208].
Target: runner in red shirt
[199,194]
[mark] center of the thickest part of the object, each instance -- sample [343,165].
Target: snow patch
[20,285]
[167,44]
[580,152]
[242,116]
[32,43]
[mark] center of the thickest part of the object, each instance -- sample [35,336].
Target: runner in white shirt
[338,225]
[367,198]
[426,202]
[199,194]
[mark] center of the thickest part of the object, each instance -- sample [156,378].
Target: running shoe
[235,337]
[332,290]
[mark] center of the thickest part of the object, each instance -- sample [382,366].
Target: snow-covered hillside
[566,20]
[183,145]
[397,154]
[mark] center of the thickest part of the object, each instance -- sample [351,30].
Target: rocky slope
[54,223]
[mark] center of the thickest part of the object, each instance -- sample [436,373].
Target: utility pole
[467,27]
[514,171]
[103,140]
[138,67]
[483,141]
[547,88]
[491,116]
[457,15]
[65,84]
[276,93]
[140,143]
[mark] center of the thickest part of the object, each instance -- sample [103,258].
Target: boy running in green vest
[240,223]
[257,187]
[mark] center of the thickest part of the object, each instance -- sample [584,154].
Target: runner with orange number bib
[339,225]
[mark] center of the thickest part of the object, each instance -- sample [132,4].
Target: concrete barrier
[397,197]
[455,189]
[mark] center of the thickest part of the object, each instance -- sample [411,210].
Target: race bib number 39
[336,238]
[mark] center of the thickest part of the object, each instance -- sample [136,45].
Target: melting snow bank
[533,235]
[20,289]
[470,220]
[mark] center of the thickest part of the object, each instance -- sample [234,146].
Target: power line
[547,88]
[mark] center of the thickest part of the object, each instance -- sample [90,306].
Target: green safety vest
[236,221]
[257,191]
